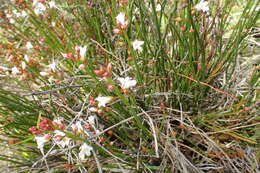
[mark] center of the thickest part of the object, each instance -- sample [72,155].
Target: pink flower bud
[110,87]
[100,112]
[82,67]
[116,31]
[48,136]
[99,72]
[41,1]
[70,56]
[92,101]
[106,74]
[109,67]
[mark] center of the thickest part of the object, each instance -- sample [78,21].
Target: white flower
[23,14]
[26,57]
[52,4]
[91,120]
[52,66]
[11,20]
[29,45]
[158,8]
[15,70]
[43,73]
[39,8]
[137,45]
[53,24]
[58,120]
[82,67]
[61,139]
[97,131]
[82,50]
[120,20]
[127,82]
[202,6]
[41,140]
[102,101]
[23,65]
[20,14]
[93,109]
[85,150]
[8,15]
[77,127]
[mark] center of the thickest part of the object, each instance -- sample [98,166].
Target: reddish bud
[70,56]
[107,74]
[123,2]
[59,125]
[107,109]
[110,132]
[116,31]
[110,87]
[109,67]
[99,72]
[82,66]
[199,66]
[100,112]
[46,125]
[178,19]
[34,130]
[92,101]
[59,137]
[89,127]
[162,106]
[192,30]
[13,141]
[183,28]
[42,1]
[102,140]
[69,166]
[182,126]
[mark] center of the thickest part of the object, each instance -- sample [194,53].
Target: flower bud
[82,67]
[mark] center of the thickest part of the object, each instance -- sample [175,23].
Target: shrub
[113,85]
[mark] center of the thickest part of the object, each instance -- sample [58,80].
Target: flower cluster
[121,22]
[50,130]
[127,82]
[202,6]
[45,125]
[80,53]
[40,6]
[137,45]
[56,131]
[104,72]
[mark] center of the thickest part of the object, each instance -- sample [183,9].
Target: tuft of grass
[166,69]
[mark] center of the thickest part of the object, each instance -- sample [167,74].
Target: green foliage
[184,53]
